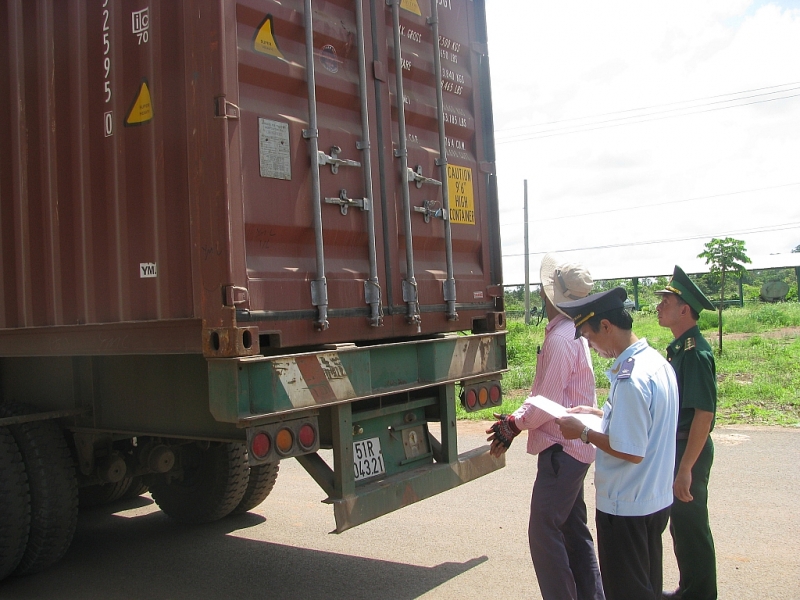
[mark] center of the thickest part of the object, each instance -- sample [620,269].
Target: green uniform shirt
[693,360]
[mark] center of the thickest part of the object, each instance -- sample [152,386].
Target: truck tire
[53,491]
[96,495]
[136,489]
[259,484]
[212,484]
[15,505]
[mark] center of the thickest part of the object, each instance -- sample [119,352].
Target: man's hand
[503,432]
[683,481]
[585,410]
[571,427]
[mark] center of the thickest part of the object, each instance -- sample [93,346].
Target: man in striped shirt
[561,544]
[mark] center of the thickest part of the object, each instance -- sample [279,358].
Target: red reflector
[260,445]
[495,394]
[483,396]
[472,398]
[284,440]
[307,436]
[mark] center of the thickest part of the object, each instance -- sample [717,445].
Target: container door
[456,269]
[313,263]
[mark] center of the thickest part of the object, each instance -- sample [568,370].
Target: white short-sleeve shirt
[640,418]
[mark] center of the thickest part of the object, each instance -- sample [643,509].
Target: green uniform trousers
[691,533]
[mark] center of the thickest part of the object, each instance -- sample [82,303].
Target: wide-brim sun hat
[564,282]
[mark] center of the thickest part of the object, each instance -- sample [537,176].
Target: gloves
[503,431]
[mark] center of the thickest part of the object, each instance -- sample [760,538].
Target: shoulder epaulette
[626,369]
[689,343]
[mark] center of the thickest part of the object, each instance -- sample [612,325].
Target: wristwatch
[585,435]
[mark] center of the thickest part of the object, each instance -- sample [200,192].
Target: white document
[553,408]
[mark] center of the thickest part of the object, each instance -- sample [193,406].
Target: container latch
[334,161]
[417,176]
[344,202]
[225,109]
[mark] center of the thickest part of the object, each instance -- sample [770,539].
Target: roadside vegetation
[758,375]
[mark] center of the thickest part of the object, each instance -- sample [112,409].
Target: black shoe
[676,595]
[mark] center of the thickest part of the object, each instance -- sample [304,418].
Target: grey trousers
[561,544]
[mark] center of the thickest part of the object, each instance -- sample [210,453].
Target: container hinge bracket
[431,208]
[344,202]
[235,295]
[417,176]
[225,110]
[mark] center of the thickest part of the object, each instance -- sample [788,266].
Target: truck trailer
[236,232]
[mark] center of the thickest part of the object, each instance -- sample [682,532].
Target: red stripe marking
[315,379]
[469,357]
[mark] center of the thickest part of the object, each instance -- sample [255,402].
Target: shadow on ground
[112,555]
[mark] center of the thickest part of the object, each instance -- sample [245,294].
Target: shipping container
[235,232]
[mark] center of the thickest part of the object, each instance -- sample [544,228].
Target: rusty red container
[171,183]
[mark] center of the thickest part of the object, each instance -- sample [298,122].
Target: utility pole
[527,265]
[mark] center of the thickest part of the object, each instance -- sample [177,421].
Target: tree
[724,256]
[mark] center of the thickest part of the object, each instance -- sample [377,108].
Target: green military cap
[687,290]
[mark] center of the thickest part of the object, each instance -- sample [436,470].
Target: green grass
[758,375]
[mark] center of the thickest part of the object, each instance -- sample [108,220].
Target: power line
[764,229]
[667,202]
[523,138]
[618,112]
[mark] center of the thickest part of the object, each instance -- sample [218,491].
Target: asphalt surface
[470,542]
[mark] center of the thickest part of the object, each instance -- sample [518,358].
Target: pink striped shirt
[564,375]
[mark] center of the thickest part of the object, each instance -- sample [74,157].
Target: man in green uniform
[693,360]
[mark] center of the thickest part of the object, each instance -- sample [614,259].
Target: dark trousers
[691,533]
[630,555]
[561,544]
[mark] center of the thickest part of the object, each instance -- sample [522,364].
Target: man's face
[598,340]
[670,310]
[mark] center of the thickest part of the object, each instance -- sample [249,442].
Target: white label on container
[148,270]
[274,155]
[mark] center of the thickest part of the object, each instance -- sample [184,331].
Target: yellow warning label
[462,202]
[142,109]
[411,6]
[264,40]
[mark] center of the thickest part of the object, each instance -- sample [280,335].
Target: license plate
[367,458]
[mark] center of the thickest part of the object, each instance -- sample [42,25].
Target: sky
[644,129]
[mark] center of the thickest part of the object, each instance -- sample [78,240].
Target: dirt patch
[783,332]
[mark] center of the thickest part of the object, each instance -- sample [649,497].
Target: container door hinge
[235,295]
[225,110]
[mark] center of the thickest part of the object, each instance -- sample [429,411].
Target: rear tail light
[483,396]
[480,395]
[306,436]
[495,395]
[283,439]
[260,445]
[471,399]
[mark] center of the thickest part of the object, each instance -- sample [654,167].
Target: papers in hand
[557,411]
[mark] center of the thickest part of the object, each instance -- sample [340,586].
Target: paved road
[467,543]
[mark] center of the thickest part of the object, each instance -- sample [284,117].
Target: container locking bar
[319,287]
[449,284]
[372,288]
[410,296]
